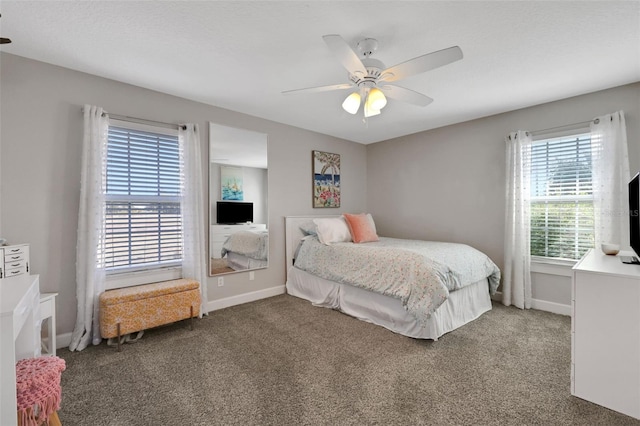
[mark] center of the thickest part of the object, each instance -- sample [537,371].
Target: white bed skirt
[461,307]
[239,262]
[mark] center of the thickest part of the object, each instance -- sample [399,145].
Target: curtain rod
[566,127]
[143,121]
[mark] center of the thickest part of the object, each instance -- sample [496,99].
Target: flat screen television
[634,213]
[231,212]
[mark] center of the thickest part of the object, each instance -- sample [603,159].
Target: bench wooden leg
[54,420]
[119,348]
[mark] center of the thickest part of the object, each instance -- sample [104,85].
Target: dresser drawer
[17,257]
[11,272]
[220,229]
[220,238]
[15,264]
[13,251]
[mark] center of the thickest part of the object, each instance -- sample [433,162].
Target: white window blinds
[142,219]
[562,224]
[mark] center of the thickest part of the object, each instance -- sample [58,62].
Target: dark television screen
[634,213]
[230,212]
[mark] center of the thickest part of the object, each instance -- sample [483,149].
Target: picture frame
[231,184]
[326,179]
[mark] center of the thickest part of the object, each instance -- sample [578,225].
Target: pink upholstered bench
[131,309]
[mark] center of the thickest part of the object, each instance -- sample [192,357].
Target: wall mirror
[238,215]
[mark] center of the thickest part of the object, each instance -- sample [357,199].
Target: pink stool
[38,389]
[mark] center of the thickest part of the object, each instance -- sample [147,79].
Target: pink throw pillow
[362,227]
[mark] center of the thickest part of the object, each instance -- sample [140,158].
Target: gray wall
[41,138]
[448,184]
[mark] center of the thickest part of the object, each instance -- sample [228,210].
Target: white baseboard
[556,308]
[214,305]
[542,305]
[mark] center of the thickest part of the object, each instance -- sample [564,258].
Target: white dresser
[14,260]
[605,332]
[220,233]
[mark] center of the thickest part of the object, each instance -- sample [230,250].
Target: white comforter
[419,273]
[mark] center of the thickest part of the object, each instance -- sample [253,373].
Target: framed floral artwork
[326,179]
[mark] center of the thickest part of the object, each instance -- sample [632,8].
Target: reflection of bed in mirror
[246,250]
[228,254]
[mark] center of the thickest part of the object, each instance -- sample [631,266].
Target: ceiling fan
[369,79]
[4,40]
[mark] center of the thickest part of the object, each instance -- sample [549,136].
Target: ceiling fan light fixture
[376,99]
[370,77]
[352,103]
[370,112]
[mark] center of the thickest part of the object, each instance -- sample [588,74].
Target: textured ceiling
[242,55]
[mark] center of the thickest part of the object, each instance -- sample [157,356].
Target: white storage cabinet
[14,260]
[605,332]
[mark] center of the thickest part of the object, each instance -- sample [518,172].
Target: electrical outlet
[220,281]
[252,276]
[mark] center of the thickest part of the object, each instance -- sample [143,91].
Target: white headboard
[293,234]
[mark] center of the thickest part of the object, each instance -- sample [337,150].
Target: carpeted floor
[219,266]
[281,361]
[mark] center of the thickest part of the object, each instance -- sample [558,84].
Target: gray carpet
[282,361]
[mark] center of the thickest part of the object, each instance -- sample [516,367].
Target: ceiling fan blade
[406,95]
[319,89]
[422,63]
[5,40]
[345,54]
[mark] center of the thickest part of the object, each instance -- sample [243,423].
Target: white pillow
[332,230]
[309,228]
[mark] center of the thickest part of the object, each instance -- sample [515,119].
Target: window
[562,221]
[143,222]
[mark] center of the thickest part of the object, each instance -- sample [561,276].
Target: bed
[421,314]
[246,250]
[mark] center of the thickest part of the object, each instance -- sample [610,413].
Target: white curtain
[610,163]
[193,207]
[516,284]
[90,274]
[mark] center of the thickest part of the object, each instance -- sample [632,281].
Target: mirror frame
[235,147]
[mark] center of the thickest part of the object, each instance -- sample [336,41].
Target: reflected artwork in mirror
[238,215]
